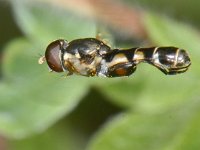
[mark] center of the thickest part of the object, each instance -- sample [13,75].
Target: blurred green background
[148,110]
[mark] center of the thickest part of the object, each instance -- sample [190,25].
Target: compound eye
[52,56]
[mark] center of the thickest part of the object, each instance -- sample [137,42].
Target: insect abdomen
[170,60]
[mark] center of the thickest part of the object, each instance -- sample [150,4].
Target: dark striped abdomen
[170,60]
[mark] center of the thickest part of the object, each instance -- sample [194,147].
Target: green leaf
[43,22]
[123,91]
[61,136]
[176,129]
[181,9]
[32,99]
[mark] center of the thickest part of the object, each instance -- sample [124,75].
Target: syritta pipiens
[92,57]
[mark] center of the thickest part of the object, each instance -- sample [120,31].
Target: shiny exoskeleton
[92,57]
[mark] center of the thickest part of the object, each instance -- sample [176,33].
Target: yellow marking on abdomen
[138,56]
[118,58]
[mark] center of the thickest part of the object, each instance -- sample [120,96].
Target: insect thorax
[84,56]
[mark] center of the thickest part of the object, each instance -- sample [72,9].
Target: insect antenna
[41,59]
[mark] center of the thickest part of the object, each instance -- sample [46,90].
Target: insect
[92,57]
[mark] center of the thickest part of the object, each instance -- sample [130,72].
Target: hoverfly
[92,57]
